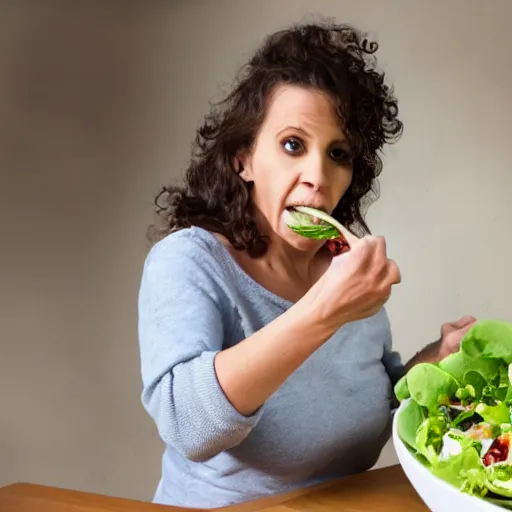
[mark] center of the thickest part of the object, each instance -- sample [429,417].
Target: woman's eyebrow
[297,128]
[305,132]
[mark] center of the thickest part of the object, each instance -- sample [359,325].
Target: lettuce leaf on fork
[456,414]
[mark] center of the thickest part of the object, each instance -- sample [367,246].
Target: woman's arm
[205,398]
[255,368]
[183,320]
[355,286]
[428,354]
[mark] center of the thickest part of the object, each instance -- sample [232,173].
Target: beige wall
[98,107]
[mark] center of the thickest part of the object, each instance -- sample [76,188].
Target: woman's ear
[243,166]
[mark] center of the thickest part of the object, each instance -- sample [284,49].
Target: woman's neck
[288,263]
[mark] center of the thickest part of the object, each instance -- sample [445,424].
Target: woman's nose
[315,172]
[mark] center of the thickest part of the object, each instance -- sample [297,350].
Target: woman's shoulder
[187,244]
[190,253]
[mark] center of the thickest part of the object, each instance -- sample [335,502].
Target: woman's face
[300,157]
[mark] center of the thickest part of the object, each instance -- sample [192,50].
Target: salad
[456,414]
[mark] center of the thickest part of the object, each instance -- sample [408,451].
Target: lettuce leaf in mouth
[457,412]
[312,223]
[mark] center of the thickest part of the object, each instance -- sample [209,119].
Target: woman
[266,361]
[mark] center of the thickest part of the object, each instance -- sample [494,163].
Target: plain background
[98,105]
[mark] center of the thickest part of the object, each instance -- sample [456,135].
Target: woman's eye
[293,145]
[340,155]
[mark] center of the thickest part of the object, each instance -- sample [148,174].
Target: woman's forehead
[304,108]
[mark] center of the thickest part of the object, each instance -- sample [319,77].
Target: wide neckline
[235,267]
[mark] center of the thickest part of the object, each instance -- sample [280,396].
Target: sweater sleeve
[183,318]
[391,359]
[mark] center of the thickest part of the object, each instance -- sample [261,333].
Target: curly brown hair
[336,59]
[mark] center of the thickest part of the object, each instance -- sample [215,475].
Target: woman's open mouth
[316,224]
[295,210]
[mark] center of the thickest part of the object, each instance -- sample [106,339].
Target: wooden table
[382,490]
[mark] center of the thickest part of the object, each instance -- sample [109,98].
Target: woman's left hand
[452,334]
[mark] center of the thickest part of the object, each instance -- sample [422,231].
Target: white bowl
[438,495]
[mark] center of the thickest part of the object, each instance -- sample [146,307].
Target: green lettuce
[429,385]
[411,417]
[494,414]
[460,363]
[429,437]
[489,339]
[464,471]
[402,389]
[499,480]
[312,223]
[476,382]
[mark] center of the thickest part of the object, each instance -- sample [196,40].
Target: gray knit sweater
[330,418]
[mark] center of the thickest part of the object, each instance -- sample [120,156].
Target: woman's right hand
[356,285]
